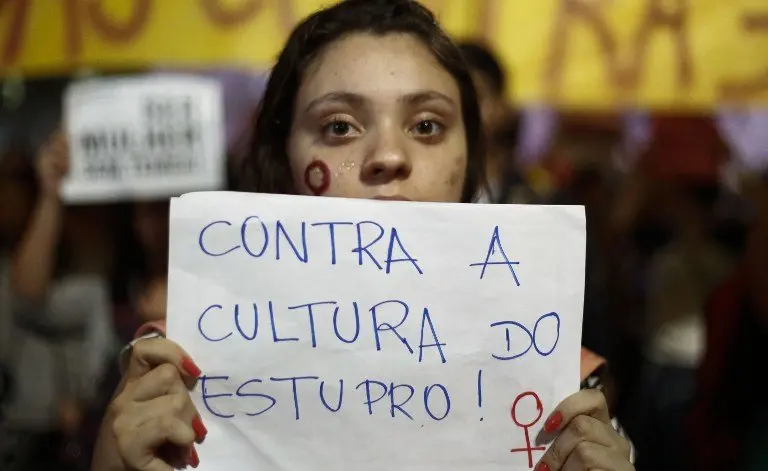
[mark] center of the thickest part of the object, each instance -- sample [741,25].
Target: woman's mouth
[392,198]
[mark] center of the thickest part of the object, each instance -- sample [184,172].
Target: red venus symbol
[526,426]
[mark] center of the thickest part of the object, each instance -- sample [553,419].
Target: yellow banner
[680,54]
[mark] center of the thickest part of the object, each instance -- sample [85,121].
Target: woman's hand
[35,258]
[586,439]
[154,422]
[52,164]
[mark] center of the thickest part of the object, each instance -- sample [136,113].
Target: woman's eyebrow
[420,97]
[355,100]
[346,98]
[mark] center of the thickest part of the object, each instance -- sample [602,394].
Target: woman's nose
[388,161]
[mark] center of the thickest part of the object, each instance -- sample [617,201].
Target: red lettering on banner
[488,20]
[435,6]
[286,16]
[753,86]
[12,42]
[590,13]
[73,28]
[657,18]
[231,17]
[77,15]
[114,31]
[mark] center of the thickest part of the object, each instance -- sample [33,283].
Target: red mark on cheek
[317,176]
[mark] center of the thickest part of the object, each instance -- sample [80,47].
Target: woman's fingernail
[190,367]
[199,428]
[194,460]
[542,467]
[553,422]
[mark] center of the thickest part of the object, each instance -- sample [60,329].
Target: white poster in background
[143,137]
[342,334]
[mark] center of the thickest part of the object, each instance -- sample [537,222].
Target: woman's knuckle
[600,400]
[585,451]
[168,374]
[556,456]
[179,403]
[124,428]
[123,444]
[165,422]
[139,350]
[118,427]
[582,425]
[116,407]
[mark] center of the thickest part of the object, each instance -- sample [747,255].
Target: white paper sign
[143,137]
[341,334]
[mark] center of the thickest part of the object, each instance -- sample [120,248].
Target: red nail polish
[553,422]
[199,428]
[542,467]
[190,367]
[194,460]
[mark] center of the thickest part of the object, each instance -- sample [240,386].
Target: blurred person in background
[728,425]
[151,222]
[500,125]
[636,230]
[663,216]
[17,190]
[681,278]
[590,187]
[142,265]
[62,329]
[490,82]
[578,164]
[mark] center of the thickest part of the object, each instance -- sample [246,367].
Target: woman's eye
[338,128]
[427,128]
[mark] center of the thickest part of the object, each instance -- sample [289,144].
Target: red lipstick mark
[317,176]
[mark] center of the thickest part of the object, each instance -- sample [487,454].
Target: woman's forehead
[377,67]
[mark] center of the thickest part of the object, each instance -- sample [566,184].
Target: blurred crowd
[676,294]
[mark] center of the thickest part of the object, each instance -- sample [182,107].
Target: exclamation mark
[480,390]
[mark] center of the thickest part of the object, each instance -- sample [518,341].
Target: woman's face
[378,117]
[492,106]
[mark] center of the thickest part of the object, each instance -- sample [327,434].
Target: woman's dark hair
[267,167]
[483,60]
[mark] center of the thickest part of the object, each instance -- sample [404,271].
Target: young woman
[369,99]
